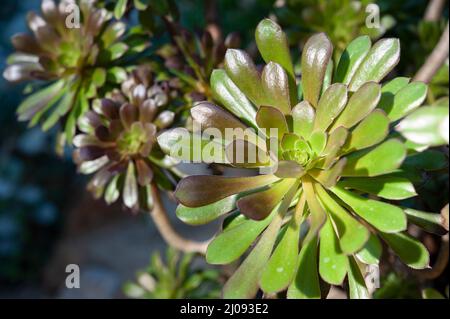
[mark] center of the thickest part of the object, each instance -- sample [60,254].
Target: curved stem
[434,10]
[170,235]
[435,60]
[441,262]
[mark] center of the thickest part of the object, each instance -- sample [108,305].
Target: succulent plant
[118,141]
[322,211]
[341,20]
[178,278]
[193,58]
[74,59]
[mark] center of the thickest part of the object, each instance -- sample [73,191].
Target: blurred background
[48,220]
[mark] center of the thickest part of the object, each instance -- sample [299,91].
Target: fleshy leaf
[389,187]
[353,235]
[276,87]
[383,159]
[330,105]
[196,191]
[369,132]
[130,189]
[273,46]
[381,59]
[179,143]
[315,58]
[234,241]
[231,97]
[242,71]
[385,217]
[269,118]
[245,281]
[282,264]
[306,282]
[317,214]
[259,205]
[303,115]
[371,252]
[351,58]
[329,177]
[359,105]
[408,249]
[430,222]
[406,100]
[333,264]
[356,283]
[427,125]
[206,214]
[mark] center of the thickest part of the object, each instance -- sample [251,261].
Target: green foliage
[176,278]
[332,145]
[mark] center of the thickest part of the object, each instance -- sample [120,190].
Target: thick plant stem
[434,10]
[435,60]
[441,262]
[170,235]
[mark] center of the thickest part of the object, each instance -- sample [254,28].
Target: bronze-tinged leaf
[209,115]
[271,118]
[303,115]
[315,58]
[196,191]
[276,86]
[259,205]
[331,104]
[144,172]
[128,114]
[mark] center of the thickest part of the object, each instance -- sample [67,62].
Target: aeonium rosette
[118,141]
[321,210]
[76,52]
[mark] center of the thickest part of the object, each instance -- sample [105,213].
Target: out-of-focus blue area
[32,179]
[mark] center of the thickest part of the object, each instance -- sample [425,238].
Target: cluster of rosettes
[77,48]
[118,142]
[312,215]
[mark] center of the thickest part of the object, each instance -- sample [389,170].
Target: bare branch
[435,60]
[441,262]
[434,10]
[170,235]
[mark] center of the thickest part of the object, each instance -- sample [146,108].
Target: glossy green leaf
[231,97]
[333,264]
[245,281]
[370,254]
[201,190]
[120,8]
[385,217]
[303,115]
[430,293]
[181,144]
[269,118]
[259,205]
[281,267]
[381,59]
[317,214]
[430,222]
[330,105]
[406,100]
[383,159]
[232,243]
[306,282]
[242,71]
[38,101]
[353,235]
[391,88]
[389,187]
[356,284]
[315,58]
[273,46]
[318,141]
[408,249]
[369,132]
[206,214]
[328,78]
[351,58]
[359,106]
[336,140]
[427,125]
[276,87]
[329,177]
